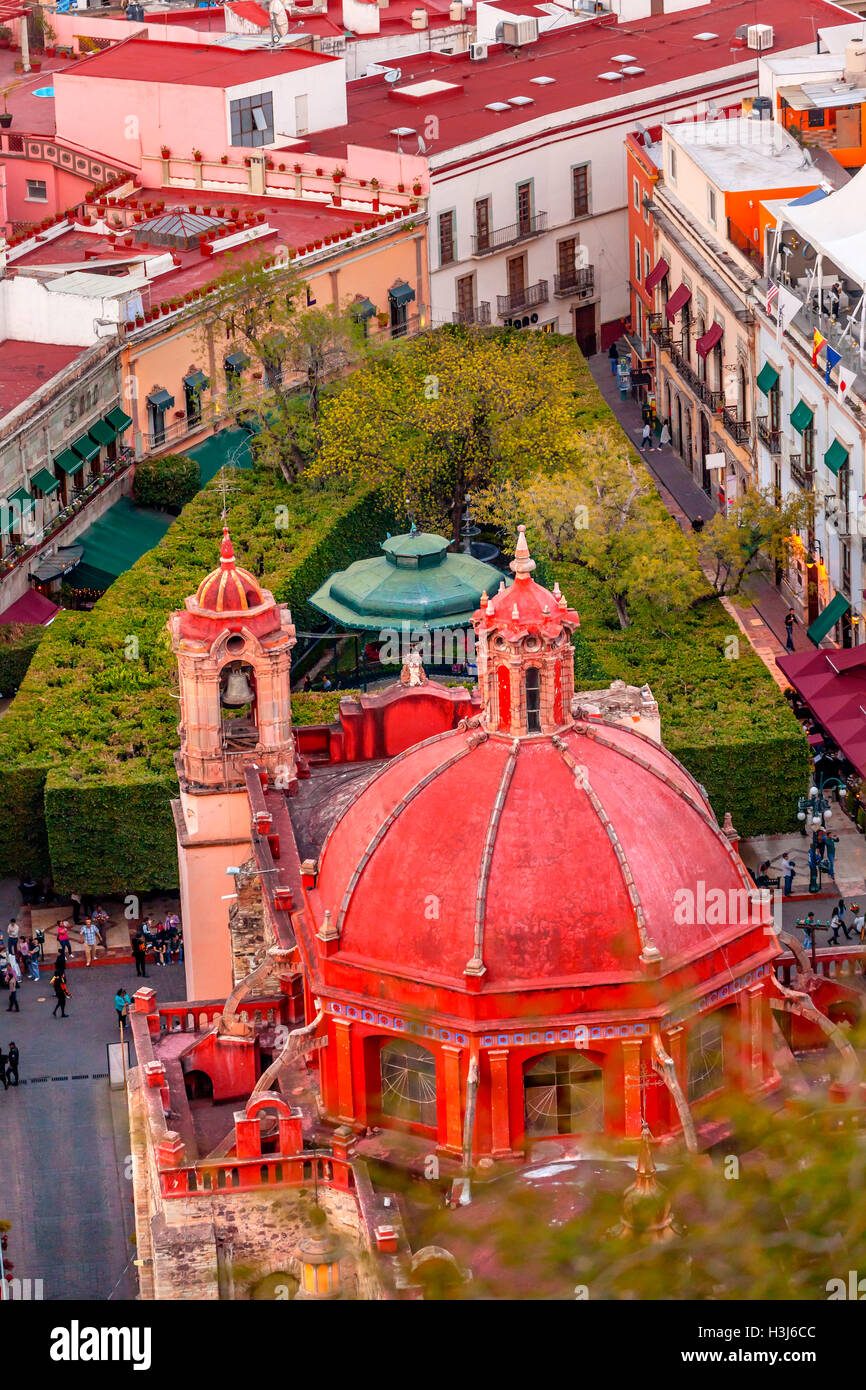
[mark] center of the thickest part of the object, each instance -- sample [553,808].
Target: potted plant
[5,36]
[319,173]
[281,168]
[338,175]
[224,159]
[206,207]
[416,189]
[165,152]
[197,156]
[382,319]
[247,161]
[5,116]
[234,212]
[220,212]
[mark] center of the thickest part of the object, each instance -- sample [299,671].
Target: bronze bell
[238,690]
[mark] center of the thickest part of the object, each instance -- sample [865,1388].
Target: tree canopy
[759,524]
[448,414]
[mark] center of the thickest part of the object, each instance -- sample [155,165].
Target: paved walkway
[64,1139]
[762,621]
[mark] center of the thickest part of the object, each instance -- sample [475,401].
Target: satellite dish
[279,20]
[422,145]
[392,75]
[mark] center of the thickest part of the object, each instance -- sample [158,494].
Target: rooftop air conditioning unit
[516,33]
[477,52]
[759,37]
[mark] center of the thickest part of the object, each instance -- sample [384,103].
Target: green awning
[836,456]
[45,481]
[767,378]
[118,419]
[23,500]
[197,381]
[236,361]
[69,462]
[828,619]
[363,309]
[802,416]
[401,293]
[161,399]
[103,432]
[86,448]
[112,544]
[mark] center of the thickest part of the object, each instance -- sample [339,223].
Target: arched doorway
[563,1093]
[198,1085]
[408,1078]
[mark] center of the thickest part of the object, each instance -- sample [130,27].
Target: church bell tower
[233,645]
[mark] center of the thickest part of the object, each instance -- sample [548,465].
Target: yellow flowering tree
[449,414]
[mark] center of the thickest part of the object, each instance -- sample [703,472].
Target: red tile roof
[664,46]
[194,65]
[24,367]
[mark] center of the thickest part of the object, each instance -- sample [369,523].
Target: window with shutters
[580,190]
[524,207]
[565,252]
[446,238]
[482,224]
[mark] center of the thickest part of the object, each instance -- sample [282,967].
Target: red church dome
[228,589]
[531,861]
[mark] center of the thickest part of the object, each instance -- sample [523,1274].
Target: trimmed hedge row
[18,643]
[88,745]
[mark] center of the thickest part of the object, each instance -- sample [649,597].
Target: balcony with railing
[660,331]
[485,243]
[771,439]
[739,430]
[472,315]
[713,399]
[521,300]
[800,475]
[30,544]
[579,283]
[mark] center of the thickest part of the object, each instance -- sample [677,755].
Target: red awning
[681,295]
[33,608]
[706,343]
[833,685]
[657,274]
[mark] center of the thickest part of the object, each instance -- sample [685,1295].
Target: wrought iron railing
[769,437]
[520,300]
[82,497]
[801,476]
[660,331]
[486,242]
[739,430]
[579,282]
[472,315]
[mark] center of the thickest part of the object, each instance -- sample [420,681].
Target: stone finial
[563,602]
[482,602]
[523,564]
[502,586]
[557,592]
[728,828]
[327,931]
[514,612]
[491,611]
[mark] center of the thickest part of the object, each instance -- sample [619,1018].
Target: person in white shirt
[789,868]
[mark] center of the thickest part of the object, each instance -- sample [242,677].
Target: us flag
[772,296]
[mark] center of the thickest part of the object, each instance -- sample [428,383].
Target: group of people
[19,960]
[838,922]
[163,939]
[822,855]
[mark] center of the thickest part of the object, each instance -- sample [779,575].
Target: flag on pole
[843,383]
[772,296]
[789,307]
[833,357]
[818,341]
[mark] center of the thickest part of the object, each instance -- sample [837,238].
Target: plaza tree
[448,414]
[603,514]
[260,308]
[759,526]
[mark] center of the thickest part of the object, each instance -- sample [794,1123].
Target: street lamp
[816,809]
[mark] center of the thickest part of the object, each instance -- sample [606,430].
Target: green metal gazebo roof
[416,581]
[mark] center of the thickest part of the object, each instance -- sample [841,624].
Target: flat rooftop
[24,367]
[743,153]
[574,61]
[192,64]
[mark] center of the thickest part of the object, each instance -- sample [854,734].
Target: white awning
[835,226]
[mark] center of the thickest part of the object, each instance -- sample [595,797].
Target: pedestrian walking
[40,942]
[12,1060]
[33,961]
[646,437]
[101,921]
[790,619]
[831,841]
[13,932]
[76,908]
[665,436]
[613,357]
[63,938]
[139,955]
[12,983]
[61,994]
[858,925]
[60,963]
[24,958]
[808,929]
[789,869]
[122,1002]
[3,1076]
[838,923]
[90,937]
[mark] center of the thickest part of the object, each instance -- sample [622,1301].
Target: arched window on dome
[563,1093]
[705,1056]
[532,681]
[408,1073]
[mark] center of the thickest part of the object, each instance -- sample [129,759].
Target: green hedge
[88,744]
[18,643]
[167,483]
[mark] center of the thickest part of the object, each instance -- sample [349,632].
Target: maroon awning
[833,685]
[681,295]
[657,274]
[707,342]
[33,608]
